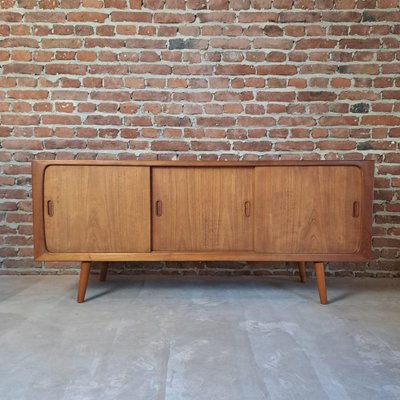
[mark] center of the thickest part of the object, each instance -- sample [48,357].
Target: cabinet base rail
[318,267]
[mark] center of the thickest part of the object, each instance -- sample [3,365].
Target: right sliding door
[308,209]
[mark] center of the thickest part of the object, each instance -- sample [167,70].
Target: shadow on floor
[291,285]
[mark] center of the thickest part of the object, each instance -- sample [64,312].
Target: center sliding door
[202,209]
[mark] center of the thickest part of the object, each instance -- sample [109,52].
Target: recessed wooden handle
[356,209]
[247,208]
[50,208]
[158,208]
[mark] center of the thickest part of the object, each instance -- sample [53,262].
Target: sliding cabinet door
[97,209]
[308,209]
[202,209]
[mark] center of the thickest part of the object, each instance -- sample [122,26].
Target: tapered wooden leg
[103,271]
[320,274]
[83,281]
[302,271]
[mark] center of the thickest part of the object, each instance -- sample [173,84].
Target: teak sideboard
[191,211]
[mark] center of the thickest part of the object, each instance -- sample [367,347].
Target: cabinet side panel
[308,209]
[97,209]
[39,247]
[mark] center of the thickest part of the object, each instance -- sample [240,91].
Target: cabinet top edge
[204,163]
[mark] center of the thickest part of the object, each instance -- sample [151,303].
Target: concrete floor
[181,338]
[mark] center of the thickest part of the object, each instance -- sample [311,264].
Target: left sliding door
[97,209]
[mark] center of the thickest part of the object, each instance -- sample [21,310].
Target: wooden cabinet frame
[363,253]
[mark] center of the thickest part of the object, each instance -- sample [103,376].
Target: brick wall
[196,79]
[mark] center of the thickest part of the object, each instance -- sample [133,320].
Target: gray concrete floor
[181,338]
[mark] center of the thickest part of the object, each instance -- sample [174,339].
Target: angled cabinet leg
[103,271]
[320,274]
[302,271]
[83,281]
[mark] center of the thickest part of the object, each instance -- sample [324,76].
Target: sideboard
[302,211]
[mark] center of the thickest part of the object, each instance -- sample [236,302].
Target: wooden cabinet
[187,211]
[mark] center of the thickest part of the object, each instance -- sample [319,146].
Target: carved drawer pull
[50,208]
[158,208]
[356,209]
[247,208]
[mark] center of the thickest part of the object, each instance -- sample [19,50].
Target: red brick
[92,3]
[28,94]
[259,146]
[315,44]
[343,16]
[283,4]
[4,4]
[299,16]
[359,43]
[216,17]
[209,146]
[336,145]
[167,18]
[9,16]
[65,69]
[102,120]
[61,43]
[196,4]
[335,121]
[135,4]
[61,120]
[216,121]
[253,17]
[276,70]
[340,83]
[109,69]
[294,145]
[296,121]
[235,70]
[8,119]
[386,242]
[275,96]
[233,96]
[137,121]
[316,96]
[146,43]
[345,4]
[45,16]
[120,16]
[230,43]
[190,70]
[268,43]
[169,145]
[84,16]
[22,144]
[111,95]
[255,121]
[19,42]
[171,121]
[115,3]
[8,82]
[388,120]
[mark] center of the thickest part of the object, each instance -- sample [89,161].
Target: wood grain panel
[301,209]
[97,209]
[202,209]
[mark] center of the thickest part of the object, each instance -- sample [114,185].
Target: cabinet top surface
[158,163]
